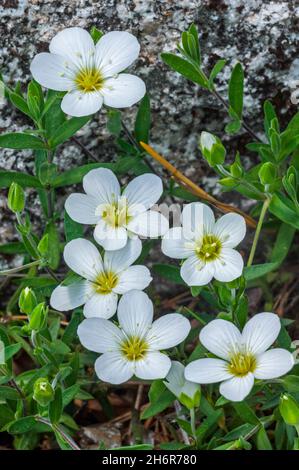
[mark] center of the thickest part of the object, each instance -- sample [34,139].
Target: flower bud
[289,409]
[27,301]
[43,392]
[38,317]
[16,198]
[212,149]
[188,393]
[267,173]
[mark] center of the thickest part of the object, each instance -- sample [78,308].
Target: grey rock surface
[263,35]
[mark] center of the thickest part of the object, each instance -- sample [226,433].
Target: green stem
[192,423]
[258,231]
[7,272]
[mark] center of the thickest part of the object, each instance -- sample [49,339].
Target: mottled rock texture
[263,35]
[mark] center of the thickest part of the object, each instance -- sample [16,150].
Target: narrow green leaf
[20,103]
[258,270]
[53,255]
[67,130]
[184,68]
[167,271]
[12,248]
[284,209]
[22,425]
[8,393]
[24,180]
[236,89]
[216,69]
[245,412]
[72,229]
[75,175]
[56,407]
[18,140]
[143,120]
[282,244]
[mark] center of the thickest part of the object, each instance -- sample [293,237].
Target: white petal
[273,363]
[229,266]
[237,388]
[168,331]
[83,258]
[82,208]
[99,335]
[195,273]
[77,103]
[231,229]
[101,306]
[176,374]
[135,277]
[119,260]
[68,297]
[123,91]
[207,371]
[113,368]
[260,332]
[197,218]
[110,238]
[143,192]
[149,224]
[115,51]
[135,313]
[220,337]
[175,245]
[154,366]
[75,45]
[49,71]
[102,184]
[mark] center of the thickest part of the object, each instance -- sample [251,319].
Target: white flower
[104,279]
[207,245]
[244,357]
[88,72]
[188,393]
[134,347]
[117,214]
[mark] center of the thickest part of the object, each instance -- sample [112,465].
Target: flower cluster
[109,281]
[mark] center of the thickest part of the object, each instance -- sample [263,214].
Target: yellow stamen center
[209,249]
[116,214]
[242,363]
[134,348]
[105,282]
[89,79]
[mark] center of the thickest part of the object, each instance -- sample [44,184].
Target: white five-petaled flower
[134,347]
[207,246]
[89,72]
[187,392]
[244,356]
[115,214]
[104,279]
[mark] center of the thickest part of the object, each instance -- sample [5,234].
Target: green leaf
[56,407]
[12,248]
[143,120]
[262,440]
[67,130]
[18,140]
[11,350]
[258,270]
[70,332]
[282,244]
[96,34]
[75,175]
[284,209]
[20,103]
[291,383]
[184,68]
[69,394]
[193,31]
[8,393]
[54,116]
[245,412]
[24,180]
[216,70]
[72,229]
[114,121]
[236,89]
[22,425]
[53,254]
[167,271]
[160,398]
